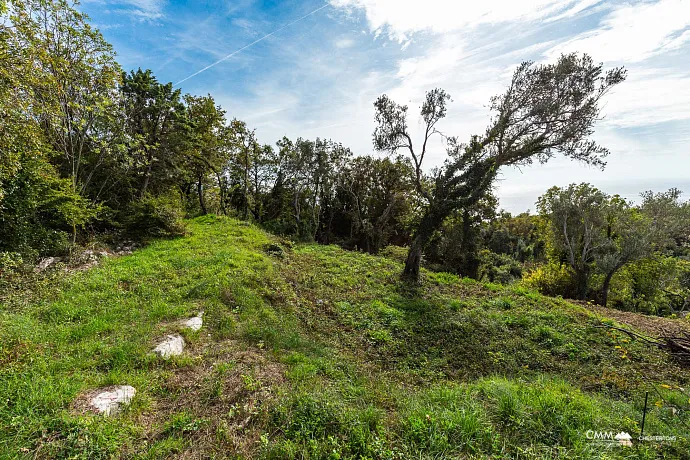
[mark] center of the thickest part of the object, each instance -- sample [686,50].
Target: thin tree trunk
[470,262]
[414,259]
[425,231]
[200,191]
[607,284]
[147,176]
[296,208]
[605,289]
[582,281]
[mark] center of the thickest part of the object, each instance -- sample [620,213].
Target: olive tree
[595,233]
[547,109]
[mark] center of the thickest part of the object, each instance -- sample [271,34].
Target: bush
[552,279]
[10,262]
[154,216]
[498,268]
[657,285]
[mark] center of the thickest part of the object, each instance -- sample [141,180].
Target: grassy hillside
[315,352]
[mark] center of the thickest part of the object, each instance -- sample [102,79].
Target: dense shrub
[657,285]
[499,268]
[552,279]
[10,262]
[154,216]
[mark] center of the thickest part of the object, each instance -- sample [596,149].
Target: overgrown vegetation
[93,153]
[317,352]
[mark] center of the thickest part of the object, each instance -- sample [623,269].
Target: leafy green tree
[206,153]
[594,232]
[74,81]
[244,146]
[671,219]
[375,201]
[158,132]
[546,110]
[456,246]
[261,176]
[519,237]
[305,183]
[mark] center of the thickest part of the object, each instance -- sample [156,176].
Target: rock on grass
[110,402]
[173,345]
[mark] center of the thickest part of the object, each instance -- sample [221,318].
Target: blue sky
[326,61]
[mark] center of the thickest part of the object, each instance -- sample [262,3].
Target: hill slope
[316,352]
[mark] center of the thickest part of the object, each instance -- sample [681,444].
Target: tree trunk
[297,212]
[414,258]
[605,289]
[469,266]
[200,191]
[221,188]
[246,187]
[147,176]
[582,281]
[429,223]
[607,284]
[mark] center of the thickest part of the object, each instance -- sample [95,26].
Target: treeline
[588,245]
[89,150]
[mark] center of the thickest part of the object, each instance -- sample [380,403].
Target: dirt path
[650,325]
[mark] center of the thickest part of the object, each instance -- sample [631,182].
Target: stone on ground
[109,402]
[194,323]
[173,345]
[45,263]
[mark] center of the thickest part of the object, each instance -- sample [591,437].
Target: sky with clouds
[314,68]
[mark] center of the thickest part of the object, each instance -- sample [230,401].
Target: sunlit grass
[317,352]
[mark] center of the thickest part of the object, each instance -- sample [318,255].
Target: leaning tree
[547,109]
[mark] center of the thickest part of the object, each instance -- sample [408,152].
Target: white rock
[173,345]
[194,323]
[109,402]
[45,263]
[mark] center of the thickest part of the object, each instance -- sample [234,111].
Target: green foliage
[552,279]
[658,285]
[498,268]
[10,263]
[154,216]
[602,238]
[397,253]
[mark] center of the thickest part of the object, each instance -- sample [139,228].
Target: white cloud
[344,43]
[649,97]
[146,9]
[400,18]
[634,32]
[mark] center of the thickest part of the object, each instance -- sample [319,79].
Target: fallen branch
[677,346]
[633,335]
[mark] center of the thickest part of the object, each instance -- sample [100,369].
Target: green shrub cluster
[553,279]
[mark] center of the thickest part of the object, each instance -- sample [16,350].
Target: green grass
[316,352]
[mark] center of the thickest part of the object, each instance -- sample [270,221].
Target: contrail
[251,44]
